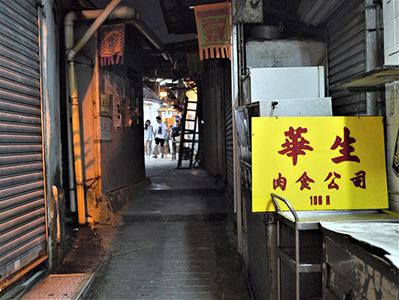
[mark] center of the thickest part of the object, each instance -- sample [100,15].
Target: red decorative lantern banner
[214,30]
[112,44]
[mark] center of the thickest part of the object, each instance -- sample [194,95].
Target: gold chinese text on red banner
[112,44]
[213,28]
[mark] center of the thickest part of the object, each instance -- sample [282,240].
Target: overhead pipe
[111,12]
[151,37]
[129,14]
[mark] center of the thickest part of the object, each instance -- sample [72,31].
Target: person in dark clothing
[175,133]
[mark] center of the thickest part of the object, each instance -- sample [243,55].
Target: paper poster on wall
[105,130]
[104,99]
[319,163]
[117,117]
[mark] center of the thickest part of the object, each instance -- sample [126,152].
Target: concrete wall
[112,135]
[392,144]
[284,53]
[391,57]
[391,31]
[122,158]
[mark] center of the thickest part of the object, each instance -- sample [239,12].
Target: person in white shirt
[148,137]
[160,132]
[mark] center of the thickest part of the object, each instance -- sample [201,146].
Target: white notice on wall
[106,124]
[105,103]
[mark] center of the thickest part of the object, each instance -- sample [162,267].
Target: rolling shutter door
[228,117]
[23,237]
[347,55]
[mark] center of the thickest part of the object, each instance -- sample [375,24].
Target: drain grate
[59,287]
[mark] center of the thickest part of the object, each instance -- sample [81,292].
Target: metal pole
[371,51]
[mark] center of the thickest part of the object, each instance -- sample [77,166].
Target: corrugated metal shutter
[228,118]
[210,83]
[23,238]
[315,12]
[347,55]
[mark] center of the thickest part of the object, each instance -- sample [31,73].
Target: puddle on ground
[155,186]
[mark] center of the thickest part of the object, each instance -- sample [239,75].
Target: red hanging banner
[213,29]
[112,44]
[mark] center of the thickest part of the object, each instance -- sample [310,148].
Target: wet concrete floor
[174,242]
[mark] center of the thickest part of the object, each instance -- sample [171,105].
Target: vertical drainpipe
[68,28]
[236,157]
[73,92]
[371,52]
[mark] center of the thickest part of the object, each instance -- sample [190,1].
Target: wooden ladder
[189,138]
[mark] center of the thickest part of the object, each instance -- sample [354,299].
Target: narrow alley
[174,242]
[283,121]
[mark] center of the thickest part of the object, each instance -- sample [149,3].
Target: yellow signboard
[319,163]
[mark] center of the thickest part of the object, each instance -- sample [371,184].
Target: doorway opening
[175,104]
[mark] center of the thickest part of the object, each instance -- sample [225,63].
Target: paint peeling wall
[350,272]
[123,152]
[391,57]
[49,57]
[392,145]
[87,97]
[284,53]
[122,158]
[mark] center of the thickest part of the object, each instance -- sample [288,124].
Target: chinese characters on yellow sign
[319,163]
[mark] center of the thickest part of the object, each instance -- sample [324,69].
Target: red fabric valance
[112,44]
[214,30]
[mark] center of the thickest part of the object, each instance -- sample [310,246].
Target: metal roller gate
[228,119]
[347,55]
[346,30]
[23,235]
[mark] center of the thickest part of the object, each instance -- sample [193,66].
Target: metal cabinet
[283,83]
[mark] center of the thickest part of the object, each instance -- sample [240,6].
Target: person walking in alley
[175,132]
[148,137]
[161,130]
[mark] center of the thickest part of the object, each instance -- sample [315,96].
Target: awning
[370,81]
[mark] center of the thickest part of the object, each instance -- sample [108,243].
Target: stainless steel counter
[310,220]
